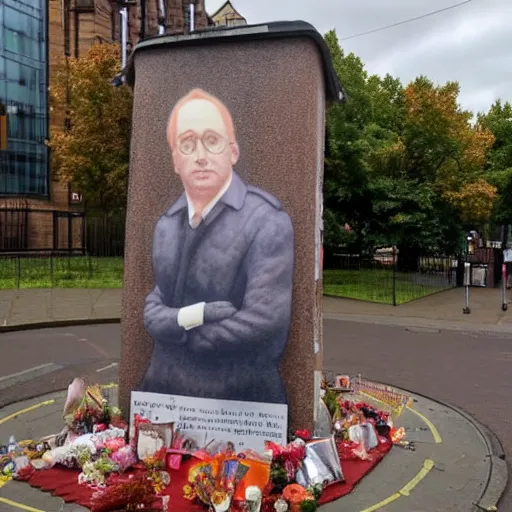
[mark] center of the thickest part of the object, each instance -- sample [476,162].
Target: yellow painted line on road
[19,505]
[383,503]
[4,480]
[431,426]
[24,411]
[406,489]
[423,472]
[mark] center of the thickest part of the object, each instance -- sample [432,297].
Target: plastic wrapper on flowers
[364,434]
[321,464]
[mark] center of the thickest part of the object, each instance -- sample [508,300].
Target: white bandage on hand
[191,316]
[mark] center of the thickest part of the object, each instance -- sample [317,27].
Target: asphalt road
[471,371]
[36,362]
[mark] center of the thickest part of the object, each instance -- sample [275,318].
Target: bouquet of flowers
[214,482]
[91,412]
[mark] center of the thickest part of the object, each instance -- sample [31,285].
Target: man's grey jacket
[243,253]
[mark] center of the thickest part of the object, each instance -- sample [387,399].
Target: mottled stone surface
[275,91]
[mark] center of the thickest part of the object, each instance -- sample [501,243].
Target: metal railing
[50,248]
[383,279]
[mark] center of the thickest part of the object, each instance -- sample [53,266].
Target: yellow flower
[188,492]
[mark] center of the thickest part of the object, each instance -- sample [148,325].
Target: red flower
[304,434]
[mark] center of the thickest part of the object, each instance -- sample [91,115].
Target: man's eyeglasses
[211,141]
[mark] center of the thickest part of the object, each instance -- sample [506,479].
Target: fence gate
[68,231]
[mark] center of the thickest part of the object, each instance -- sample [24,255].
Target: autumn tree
[92,154]
[404,166]
[443,148]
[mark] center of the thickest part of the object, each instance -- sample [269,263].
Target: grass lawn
[84,272]
[61,272]
[376,286]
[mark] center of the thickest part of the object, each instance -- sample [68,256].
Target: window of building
[23,91]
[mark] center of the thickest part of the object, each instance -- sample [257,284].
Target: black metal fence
[50,248]
[381,278]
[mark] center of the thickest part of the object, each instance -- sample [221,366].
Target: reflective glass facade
[23,96]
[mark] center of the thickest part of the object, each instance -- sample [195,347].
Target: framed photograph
[343,382]
[151,438]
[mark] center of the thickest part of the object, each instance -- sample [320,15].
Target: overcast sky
[471,43]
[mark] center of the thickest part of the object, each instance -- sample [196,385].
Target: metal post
[162,18]
[394,276]
[124,35]
[506,259]
[18,272]
[192,11]
[467,282]
[504,302]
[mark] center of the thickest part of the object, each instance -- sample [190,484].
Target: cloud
[470,44]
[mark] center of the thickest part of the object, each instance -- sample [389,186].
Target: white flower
[280,505]
[252,493]
[253,498]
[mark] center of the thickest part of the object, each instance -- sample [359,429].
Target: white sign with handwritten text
[245,424]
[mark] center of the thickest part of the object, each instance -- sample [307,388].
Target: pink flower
[115,444]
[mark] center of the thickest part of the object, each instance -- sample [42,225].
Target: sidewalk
[441,310]
[46,306]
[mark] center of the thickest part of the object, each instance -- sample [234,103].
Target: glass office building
[24,167]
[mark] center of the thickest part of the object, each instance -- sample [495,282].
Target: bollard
[467,283]
[504,302]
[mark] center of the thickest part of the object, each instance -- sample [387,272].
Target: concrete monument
[222,286]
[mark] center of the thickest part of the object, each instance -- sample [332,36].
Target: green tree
[499,162]
[345,180]
[411,216]
[93,153]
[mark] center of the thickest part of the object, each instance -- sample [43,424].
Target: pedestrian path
[56,305]
[441,310]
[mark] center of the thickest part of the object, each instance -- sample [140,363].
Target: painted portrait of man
[223,255]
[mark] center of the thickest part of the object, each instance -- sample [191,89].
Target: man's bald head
[200,96]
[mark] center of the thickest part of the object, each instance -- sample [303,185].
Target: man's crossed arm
[266,307]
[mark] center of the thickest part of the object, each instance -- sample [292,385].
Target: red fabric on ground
[353,472]
[63,482]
